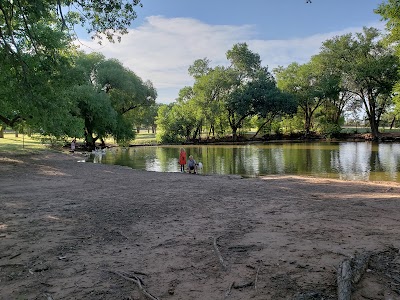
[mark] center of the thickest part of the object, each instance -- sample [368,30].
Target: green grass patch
[353,129]
[21,144]
[140,139]
[144,139]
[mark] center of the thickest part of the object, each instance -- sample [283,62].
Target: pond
[344,160]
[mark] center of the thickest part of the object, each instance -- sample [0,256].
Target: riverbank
[74,230]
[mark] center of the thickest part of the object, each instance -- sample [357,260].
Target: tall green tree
[369,71]
[146,116]
[106,95]
[36,51]
[209,91]
[389,10]
[175,122]
[307,86]
[231,95]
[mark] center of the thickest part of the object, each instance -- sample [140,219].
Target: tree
[23,21]
[253,90]
[369,71]
[146,116]
[174,123]
[389,10]
[32,74]
[36,51]
[307,86]
[199,68]
[208,92]
[106,94]
[226,96]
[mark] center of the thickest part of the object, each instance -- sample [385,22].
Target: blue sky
[169,35]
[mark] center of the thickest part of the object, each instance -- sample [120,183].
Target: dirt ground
[74,230]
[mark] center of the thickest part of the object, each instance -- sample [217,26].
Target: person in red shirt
[182,159]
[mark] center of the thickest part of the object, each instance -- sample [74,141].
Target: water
[346,160]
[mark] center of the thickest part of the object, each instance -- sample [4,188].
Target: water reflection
[348,160]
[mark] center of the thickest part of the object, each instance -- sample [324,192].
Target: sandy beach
[73,230]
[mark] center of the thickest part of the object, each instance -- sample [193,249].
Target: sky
[169,35]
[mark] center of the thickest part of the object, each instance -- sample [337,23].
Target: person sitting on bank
[192,165]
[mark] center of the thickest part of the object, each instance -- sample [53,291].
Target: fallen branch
[255,280]
[15,255]
[11,265]
[228,292]
[350,272]
[359,264]
[138,282]
[221,260]
[344,275]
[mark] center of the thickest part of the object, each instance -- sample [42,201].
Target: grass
[353,129]
[144,139]
[140,139]
[22,144]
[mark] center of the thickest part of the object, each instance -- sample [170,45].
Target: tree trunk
[392,123]
[2,132]
[350,272]
[103,143]
[259,129]
[344,276]
[267,120]
[89,140]
[307,124]
[374,129]
[234,133]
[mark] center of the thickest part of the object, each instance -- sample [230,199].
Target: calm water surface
[346,160]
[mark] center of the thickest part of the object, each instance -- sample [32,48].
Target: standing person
[192,165]
[182,159]
[73,145]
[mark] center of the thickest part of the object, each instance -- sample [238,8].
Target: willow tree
[36,50]
[106,95]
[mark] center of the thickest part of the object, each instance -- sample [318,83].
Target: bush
[331,130]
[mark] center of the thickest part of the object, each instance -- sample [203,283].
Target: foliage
[168,122]
[292,124]
[39,71]
[369,71]
[389,10]
[106,94]
[224,96]
[146,117]
[307,85]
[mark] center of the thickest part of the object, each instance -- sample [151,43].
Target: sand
[74,230]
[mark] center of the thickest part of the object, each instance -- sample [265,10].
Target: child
[73,144]
[192,165]
[182,159]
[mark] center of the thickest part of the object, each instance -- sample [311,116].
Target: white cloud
[161,50]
